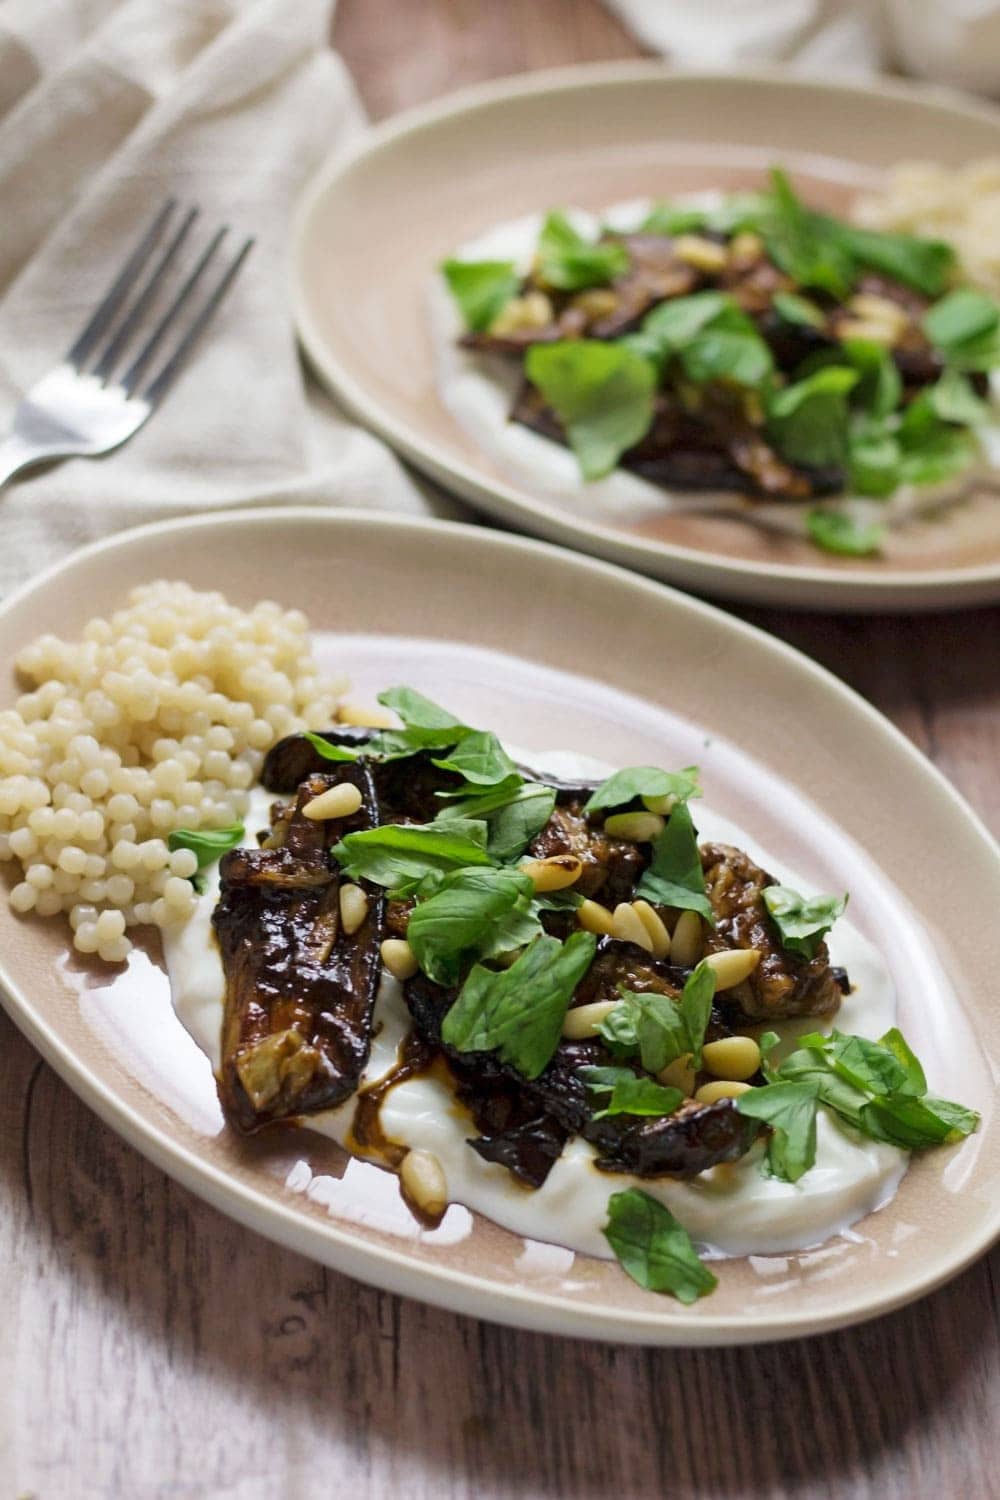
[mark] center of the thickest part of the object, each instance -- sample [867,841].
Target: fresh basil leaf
[807,421]
[713,337]
[207,844]
[674,876]
[673,218]
[460,920]
[953,399]
[880,386]
[932,450]
[518,1012]
[515,812]
[482,288]
[801,311]
[654,1249]
[722,354]
[811,1066]
[866,1065]
[602,394]
[661,1027]
[835,531]
[802,244]
[874,458]
[767,1041]
[630,1094]
[568,262]
[674,323]
[914,1124]
[418,712]
[914,1079]
[481,759]
[802,921]
[644,781]
[400,855]
[790,1110]
[963,325]
[329,751]
[923,264]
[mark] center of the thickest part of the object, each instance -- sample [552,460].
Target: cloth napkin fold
[108,107]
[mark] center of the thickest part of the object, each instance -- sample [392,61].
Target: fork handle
[16,454]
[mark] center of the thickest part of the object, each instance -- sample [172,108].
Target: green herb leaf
[460,920]
[518,1012]
[674,876]
[644,781]
[801,311]
[953,399]
[207,844]
[880,386]
[673,218]
[674,323]
[722,354]
[914,1124]
[874,459]
[838,532]
[932,449]
[481,288]
[802,243]
[601,393]
[914,1080]
[807,421]
[570,263]
[920,263]
[329,751]
[400,855]
[654,1249]
[515,812]
[418,712]
[481,759]
[802,922]
[965,326]
[713,337]
[630,1094]
[659,1027]
[790,1110]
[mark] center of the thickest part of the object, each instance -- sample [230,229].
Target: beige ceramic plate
[555,650]
[372,227]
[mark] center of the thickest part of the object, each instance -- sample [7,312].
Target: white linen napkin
[107,107]
[949,41]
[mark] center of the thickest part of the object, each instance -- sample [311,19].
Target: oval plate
[372,227]
[557,651]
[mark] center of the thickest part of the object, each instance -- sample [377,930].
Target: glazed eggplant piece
[300,992]
[783,983]
[292,759]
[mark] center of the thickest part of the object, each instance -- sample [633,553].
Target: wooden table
[152,1349]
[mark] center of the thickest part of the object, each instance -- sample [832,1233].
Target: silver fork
[78,409]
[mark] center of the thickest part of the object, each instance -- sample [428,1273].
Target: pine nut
[735,1057]
[745,248]
[663,805]
[704,255]
[679,1075]
[363,717]
[338,801]
[636,827]
[685,944]
[353,908]
[655,930]
[732,965]
[879,310]
[721,1088]
[555,873]
[593,917]
[585,1020]
[399,958]
[531,311]
[424,1182]
[868,329]
[630,928]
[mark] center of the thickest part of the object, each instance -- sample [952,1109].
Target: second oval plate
[556,652]
[373,226]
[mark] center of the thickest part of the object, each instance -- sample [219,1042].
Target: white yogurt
[731,1209]
[479,390]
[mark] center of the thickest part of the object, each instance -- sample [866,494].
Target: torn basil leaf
[482,288]
[475,912]
[625,1093]
[800,311]
[807,421]
[570,263]
[644,781]
[206,844]
[515,812]
[835,531]
[399,855]
[965,326]
[601,393]
[661,1028]
[790,1110]
[518,1012]
[674,876]
[481,760]
[328,751]
[802,921]
[654,1249]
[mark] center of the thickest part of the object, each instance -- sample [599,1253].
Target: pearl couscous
[156,719]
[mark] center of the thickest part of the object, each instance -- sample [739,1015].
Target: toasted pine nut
[585,1020]
[532,311]
[721,1088]
[655,930]
[735,1057]
[679,1075]
[363,716]
[664,805]
[593,917]
[424,1183]
[637,827]
[597,301]
[882,310]
[695,250]
[555,873]
[336,802]
[745,248]
[399,958]
[732,965]
[867,328]
[630,928]
[685,944]
[353,908]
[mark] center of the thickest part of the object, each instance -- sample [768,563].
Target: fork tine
[172,368]
[116,293]
[135,371]
[137,312]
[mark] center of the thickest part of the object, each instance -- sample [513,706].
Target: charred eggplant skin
[292,759]
[300,992]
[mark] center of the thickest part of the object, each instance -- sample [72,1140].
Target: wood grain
[152,1349]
